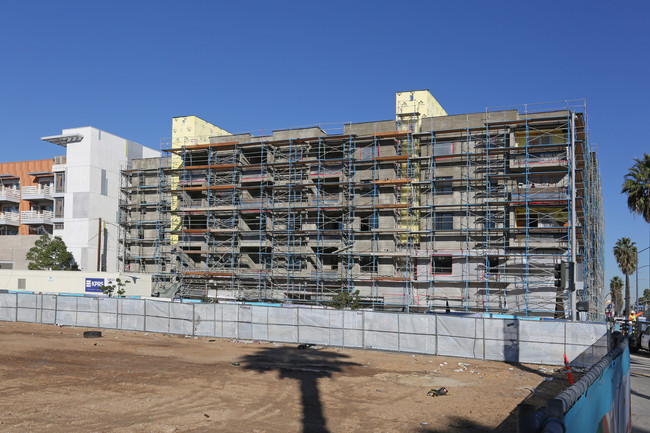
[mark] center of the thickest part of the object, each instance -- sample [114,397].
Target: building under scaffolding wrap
[430,211]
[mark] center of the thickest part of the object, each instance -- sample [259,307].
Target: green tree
[626,257]
[615,288]
[345,299]
[50,254]
[119,288]
[637,187]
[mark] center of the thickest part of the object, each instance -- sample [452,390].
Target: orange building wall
[20,169]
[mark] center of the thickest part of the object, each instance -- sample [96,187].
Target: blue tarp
[605,407]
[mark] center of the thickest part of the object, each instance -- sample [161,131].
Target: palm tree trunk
[627,296]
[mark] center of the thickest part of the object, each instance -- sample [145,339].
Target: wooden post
[99,243]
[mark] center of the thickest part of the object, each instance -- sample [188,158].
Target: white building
[87,187]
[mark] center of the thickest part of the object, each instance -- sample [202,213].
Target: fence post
[343,330]
[483,338]
[298,324]
[193,319]
[363,329]
[436,331]
[398,334]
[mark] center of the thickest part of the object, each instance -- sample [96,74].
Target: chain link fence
[497,339]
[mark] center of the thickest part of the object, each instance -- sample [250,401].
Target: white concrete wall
[84,201]
[71,282]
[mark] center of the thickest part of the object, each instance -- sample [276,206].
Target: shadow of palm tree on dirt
[306,366]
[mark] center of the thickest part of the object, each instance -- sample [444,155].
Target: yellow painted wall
[559,136]
[420,101]
[425,105]
[188,131]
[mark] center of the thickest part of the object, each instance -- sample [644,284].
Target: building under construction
[429,211]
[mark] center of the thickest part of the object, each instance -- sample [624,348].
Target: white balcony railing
[9,194]
[11,218]
[40,191]
[36,217]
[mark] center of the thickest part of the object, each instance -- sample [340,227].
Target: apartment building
[67,196]
[469,212]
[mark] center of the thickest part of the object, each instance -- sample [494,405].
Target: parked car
[645,339]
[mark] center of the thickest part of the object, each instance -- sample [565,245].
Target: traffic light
[558,275]
[564,276]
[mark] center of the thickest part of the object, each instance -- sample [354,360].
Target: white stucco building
[87,188]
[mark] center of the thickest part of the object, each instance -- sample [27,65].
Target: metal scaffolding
[469,213]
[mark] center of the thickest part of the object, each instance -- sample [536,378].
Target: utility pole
[99,243]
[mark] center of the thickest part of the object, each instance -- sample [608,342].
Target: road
[640,388]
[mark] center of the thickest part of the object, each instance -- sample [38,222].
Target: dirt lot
[55,380]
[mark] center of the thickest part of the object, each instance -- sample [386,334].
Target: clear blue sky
[128,67]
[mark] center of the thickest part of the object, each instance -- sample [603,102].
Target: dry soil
[53,379]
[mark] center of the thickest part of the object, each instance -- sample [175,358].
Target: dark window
[368,264]
[442,188]
[370,222]
[442,264]
[443,221]
[493,264]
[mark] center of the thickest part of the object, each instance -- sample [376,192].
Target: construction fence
[486,338]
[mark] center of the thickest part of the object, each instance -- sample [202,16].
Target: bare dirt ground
[53,379]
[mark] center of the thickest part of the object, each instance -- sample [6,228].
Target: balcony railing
[36,217]
[38,192]
[10,218]
[9,194]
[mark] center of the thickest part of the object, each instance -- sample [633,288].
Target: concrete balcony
[36,217]
[37,193]
[10,194]
[10,218]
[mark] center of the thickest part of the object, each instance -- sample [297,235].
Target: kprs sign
[94,285]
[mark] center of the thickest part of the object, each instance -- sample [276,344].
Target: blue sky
[128,67]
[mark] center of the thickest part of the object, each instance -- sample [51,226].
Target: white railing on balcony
[9,193]
[40,190]
[34,216]
[9,217]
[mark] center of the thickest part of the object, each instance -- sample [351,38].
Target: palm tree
[637,187]
[625,253]
[615,286]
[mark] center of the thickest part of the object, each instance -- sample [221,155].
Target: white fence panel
[381,340]
[387,322]
[517,340]
[283,333]
[157,324]
[283,316]
[26,315]
[8,300]
[309,317]
[88,305]
[49,302]
[132,306]
[131,322]
[157,308]
[26,300]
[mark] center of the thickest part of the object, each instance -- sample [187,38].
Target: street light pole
[637,275]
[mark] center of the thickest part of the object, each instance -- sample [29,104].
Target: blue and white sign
[94,285]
